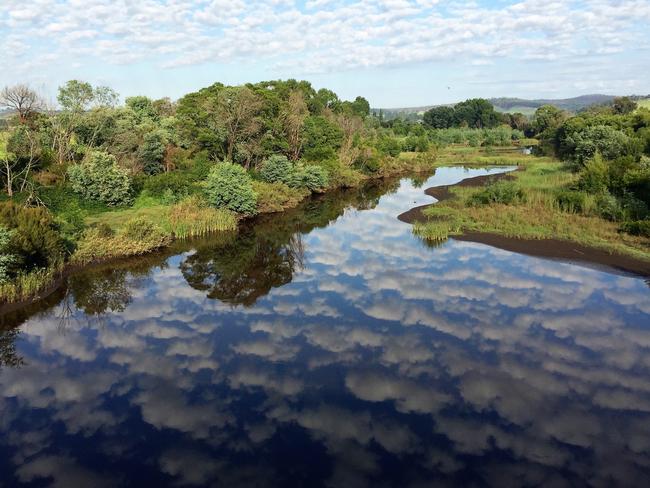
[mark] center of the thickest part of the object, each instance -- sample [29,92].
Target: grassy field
[645,103]
[468,155]
[537,215]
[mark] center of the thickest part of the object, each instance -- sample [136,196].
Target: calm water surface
[329,347]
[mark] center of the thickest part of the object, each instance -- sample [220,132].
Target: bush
[99,179]
[229,186]
[276,197]
[7,260]
[178,184]
[504,192]
[608,207]
[571,201]
[311,177]
[637,228]
[35,238]
[594,176]
[277,169]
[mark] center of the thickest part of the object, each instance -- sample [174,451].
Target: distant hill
[512,105]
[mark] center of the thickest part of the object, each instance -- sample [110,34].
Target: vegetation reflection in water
[328,346]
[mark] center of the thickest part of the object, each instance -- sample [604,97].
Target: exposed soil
[545,248]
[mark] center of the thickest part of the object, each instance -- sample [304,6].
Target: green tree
[441,117]
[477,113]
[623,105]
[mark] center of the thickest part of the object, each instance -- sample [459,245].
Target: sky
[396,53]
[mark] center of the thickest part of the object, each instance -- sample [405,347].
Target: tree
[623,105]
[293,118]
[143,108]
[441,117]
[236,111]
[548,117]
[477,113]
[22,155]
[75,96]
[22,99]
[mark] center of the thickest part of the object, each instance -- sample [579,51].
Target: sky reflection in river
[348,353]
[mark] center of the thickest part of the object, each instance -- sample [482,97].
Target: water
[329,347]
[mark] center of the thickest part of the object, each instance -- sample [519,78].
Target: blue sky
[393,52]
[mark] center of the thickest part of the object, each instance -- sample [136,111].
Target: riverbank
[532,223]
[150,226]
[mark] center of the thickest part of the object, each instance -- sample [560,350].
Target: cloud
[320,36]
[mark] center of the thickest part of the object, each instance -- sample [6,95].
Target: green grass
[468,155]
[644,103]
[536,216]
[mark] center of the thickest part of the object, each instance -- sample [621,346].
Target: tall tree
[21,99]
[293,118]
[236,110]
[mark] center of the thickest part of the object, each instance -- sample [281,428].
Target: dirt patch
[545,248]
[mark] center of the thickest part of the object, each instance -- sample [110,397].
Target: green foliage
[476,113]
[276,197]
[571,201]
[442,117]
[229,186]
[637,227]
[389,146]
[35,238]
[311,177]
[594,177]
[99,178]
[7,259]
[322,138]
[504,192]
[173,185]
[152,152]
[276,169]
[609,142]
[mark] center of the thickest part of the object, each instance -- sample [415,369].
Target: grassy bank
[532,206]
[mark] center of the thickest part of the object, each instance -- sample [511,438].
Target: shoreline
[555,249]
[71,267]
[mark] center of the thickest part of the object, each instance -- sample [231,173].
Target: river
[328,346]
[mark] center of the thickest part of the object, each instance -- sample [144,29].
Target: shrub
[571,201]
[178,184]
[311,177]
[504,192]
[637,227]
[608,207]
[275,197]
[277,169]
[99,178]
[594,176]
[35,238]
[7,260]
[229,186]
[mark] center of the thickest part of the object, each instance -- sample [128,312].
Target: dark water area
[328,346]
